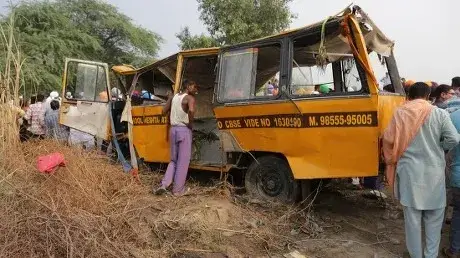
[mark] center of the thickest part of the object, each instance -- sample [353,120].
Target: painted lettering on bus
[312,121]
[150,120]
[233,124]
[339,119]
[352,119]
[288,121]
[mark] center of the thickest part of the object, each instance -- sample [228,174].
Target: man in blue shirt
[454,249]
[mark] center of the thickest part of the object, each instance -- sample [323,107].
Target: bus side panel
[150,133]
[316,149]
[387,106]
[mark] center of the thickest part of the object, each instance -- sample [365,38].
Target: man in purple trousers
[182,109]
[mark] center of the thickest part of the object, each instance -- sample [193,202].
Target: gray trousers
[433,221]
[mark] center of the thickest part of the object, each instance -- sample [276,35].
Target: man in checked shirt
[35,116]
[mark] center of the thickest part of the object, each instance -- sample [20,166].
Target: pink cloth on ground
[47,164]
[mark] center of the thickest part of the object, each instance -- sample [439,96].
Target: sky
[426,32]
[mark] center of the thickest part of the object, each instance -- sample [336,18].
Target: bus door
[85,97]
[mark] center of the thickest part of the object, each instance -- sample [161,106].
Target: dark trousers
[27,135]
[455,224]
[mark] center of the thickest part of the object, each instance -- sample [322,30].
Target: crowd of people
[421,150]
[38,118]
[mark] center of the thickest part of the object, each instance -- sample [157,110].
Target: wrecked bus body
[147,89]
[287,110]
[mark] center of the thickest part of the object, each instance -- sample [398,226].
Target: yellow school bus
[288,109]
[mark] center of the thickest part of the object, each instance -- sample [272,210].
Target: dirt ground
[344,224]
[357,226]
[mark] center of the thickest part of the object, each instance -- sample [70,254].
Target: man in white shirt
[182,110]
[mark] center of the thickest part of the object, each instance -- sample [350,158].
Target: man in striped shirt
[53,128]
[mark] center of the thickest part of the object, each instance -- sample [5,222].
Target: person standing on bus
[413,146]
[182,110]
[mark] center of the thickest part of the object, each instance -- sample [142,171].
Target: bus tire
[269,178]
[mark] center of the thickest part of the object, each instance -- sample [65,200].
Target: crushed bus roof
[378,41]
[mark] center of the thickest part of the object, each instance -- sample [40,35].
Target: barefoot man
[182,110]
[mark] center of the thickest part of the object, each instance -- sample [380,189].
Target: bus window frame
[363,92]
[152,69]
[257,99]
[392,68]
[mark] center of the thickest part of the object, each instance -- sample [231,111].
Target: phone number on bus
[337,120]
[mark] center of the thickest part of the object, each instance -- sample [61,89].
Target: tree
[189,41]
[231,22]
[48,32]
[120,39]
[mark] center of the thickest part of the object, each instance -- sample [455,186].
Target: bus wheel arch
[269,177]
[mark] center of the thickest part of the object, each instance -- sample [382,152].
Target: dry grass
[90,208]
[68,213]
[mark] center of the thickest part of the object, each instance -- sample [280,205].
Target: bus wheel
[270,178]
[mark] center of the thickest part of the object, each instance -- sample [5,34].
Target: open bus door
[86,97]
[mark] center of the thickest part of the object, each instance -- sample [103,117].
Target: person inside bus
[276,91]
[116,94]
[303,91]
[270,88]
[146,94]
[324,89]
[316,91]
[389,88]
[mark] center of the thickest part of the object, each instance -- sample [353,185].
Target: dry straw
[90,208]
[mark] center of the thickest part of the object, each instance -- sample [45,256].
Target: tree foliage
[189,41]
[236,21]
[48,32]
